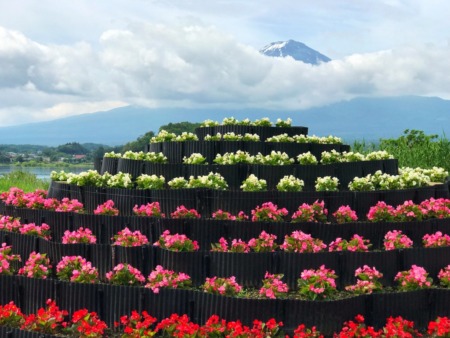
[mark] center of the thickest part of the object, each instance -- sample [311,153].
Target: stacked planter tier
[206,201]
[175,151]
[111,302]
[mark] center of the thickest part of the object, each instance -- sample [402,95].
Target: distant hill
[362,118]
[298,50]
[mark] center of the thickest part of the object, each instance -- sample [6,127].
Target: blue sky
[60,58]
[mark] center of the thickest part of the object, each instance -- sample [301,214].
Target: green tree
[180,127]
[139,144]
[72,148]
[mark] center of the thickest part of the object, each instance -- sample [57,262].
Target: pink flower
[107,208]
[395,239]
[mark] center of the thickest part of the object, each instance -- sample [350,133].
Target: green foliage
[180,127]
[25,181]
[139,144]
[416,149]
[72,148]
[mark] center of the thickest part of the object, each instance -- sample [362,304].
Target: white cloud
[195,65]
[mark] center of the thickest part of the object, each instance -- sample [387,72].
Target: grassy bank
[25,181]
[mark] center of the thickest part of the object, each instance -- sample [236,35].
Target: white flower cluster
[327,183]
[351,156]
[334,156]
[163,136]
[239,156]
[290,183]
[120,180]
[195,158]
[149,157]
[407,178]
[150,182]
[286,123]
[112,154]
[307,158]
[85,178]
[155,157]
[231,136]
[131,155]
[264,122]
[252,183]
[436,174]
[178,183]
[317,139]
[209,123]
[213,181]
[216,137]
[185,136]
[59,176]
[284,138]
[274,158]
[379,155]
[328,157]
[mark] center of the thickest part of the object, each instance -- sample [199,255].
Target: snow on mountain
[297,50]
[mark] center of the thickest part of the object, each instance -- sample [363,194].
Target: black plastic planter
[411,305]
[248,268]
[133,167]
[58,190]
[109,165]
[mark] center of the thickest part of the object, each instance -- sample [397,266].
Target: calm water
[41,172]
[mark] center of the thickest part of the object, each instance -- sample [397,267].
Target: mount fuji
[297,50]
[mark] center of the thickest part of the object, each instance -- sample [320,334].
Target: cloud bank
[194,65]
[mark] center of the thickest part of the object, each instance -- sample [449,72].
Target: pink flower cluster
[436,240]
[176,242]
[36,266]
[82,235]
[237,245]
[264,243]
[413,279]
[409,211]
[367,281]
[125,274]
[129,238]
[76,269]
[315,213]
[222,286]
[223,215]
[162,278]
[345,214]
[317,284]
[106,208]
[9,223]
[38,200]
[6,258]
[444,276]
[395,239]
[273,287]
[32,229]
[268,212]
[150,210]
[356,244]
[183,212]
[227,216]
[300,242]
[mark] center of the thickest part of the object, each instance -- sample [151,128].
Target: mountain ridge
[360,118]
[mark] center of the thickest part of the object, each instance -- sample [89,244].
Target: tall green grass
[25,181]
[413,149]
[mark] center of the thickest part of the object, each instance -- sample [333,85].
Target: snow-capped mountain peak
[297,50]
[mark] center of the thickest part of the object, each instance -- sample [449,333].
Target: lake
[41,172]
